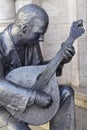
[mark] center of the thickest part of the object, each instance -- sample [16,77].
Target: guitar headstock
[80,23]
[77,29]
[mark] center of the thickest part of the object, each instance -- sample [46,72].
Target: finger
[71,50]
[80,30]
[65,56]
[68,54]
[83,30]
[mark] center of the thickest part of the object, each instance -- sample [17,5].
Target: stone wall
[7,13]
[61,14]
[57,32]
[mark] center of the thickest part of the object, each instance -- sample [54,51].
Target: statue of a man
[19,46]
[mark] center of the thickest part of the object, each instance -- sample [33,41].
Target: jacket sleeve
[13,96]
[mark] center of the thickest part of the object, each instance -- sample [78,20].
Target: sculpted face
[36,34]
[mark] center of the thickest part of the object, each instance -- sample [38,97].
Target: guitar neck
[51,67]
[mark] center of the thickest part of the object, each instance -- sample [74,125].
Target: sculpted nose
[41,38]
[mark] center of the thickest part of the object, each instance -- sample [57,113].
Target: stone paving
[81,118]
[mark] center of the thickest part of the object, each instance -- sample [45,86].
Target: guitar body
[27,77]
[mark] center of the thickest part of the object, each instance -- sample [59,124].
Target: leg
[7,122]
[65,116]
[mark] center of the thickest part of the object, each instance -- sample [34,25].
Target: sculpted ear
[24,28]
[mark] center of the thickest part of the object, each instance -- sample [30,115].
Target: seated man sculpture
[18,47]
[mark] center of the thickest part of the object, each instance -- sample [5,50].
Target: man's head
[32,21]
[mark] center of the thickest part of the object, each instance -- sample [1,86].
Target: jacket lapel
[11,50]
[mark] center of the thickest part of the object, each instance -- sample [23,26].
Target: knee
[66,91]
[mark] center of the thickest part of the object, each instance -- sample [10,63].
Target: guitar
[41,78]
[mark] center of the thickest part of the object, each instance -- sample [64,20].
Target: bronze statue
[22,97]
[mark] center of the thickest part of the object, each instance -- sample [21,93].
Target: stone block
[81,100]
[7,9]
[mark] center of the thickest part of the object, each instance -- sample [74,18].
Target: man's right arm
[17,98]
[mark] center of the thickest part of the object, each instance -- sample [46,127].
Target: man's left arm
[76,31]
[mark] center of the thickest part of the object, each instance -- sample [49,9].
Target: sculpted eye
[37,34]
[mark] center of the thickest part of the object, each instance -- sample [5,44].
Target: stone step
[42,127]
[81,100]
[81,97]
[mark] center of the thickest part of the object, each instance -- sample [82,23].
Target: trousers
[65,116]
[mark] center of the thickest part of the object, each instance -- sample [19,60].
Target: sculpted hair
[28,13]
